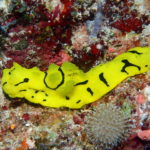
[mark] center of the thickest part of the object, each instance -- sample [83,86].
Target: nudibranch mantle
[68,86]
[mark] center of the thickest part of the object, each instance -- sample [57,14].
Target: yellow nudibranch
[68,86]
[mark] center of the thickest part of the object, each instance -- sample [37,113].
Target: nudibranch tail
[68,86]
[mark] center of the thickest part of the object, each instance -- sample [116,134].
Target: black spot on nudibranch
[24,81]
[46,94]
[135,52]
[81,83]
[44,100]
[32,97]
[90,91]
[36,91]
[101,77]
[78,101]
[146,65]
[67,98]
[128,64]
[61,83]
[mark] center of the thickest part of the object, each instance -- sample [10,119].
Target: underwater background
[87,33]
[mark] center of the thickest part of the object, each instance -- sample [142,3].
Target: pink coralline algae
[140,99]
[144,135]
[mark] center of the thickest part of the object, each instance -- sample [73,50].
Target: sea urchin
[107,126]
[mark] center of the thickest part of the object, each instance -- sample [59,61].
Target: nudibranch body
[68,86]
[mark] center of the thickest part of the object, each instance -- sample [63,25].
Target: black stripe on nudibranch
[11,71]
[135,52]
[61,83]
[90,91]
[128,64]
[4,83]
[101,77]
[81,83]
[78,101]
[24,81]
[37,91]
[22,90]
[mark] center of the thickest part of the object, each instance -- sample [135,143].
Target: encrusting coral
[108,126]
